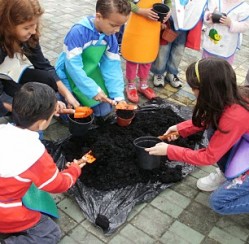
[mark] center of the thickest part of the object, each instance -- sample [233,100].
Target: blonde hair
[13,13]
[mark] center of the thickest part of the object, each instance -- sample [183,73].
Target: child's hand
[148,13]
[209,17]
[80,162]
[225,21]
[59,108]
[71,101]
[170,130]
[102,97]
[165,19]
[160,149]
[163,26]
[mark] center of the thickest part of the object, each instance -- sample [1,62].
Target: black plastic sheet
[110,208]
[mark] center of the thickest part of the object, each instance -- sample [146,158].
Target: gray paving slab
[179,214]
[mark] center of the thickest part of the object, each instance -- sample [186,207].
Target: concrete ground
[180,214]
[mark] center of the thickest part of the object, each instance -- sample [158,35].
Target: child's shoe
[131,92]
[173,80]
[146,90]
[158,80]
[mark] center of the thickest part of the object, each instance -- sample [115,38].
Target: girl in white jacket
[222,39]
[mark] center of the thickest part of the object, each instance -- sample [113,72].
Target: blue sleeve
[75,41]
[111,70]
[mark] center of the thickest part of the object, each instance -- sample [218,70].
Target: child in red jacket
[223,111]
[25,161]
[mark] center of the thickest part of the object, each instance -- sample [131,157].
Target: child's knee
[102,109]
[215,203]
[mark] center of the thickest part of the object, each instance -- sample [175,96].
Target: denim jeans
[170,56]
[102,109]
[247,78]
[45,231]
[232,197]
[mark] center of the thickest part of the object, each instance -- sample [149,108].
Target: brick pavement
[180,214]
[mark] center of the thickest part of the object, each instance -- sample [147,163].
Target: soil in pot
[125,117]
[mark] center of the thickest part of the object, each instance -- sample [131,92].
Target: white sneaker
[173,80]
[212,181]
[158,80]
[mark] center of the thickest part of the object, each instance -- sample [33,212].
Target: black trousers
[29,75]
[37,75]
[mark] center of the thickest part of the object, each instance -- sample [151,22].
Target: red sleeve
[235,120]
[46,176]
[186,128]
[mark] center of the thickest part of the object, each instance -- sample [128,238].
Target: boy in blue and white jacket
[90,65]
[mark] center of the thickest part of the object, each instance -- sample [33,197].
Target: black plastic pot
[79,127]
[144,160]
[217,16]
[161,9]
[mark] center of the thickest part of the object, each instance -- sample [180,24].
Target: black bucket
[161,10]
[79,127]
[144,160]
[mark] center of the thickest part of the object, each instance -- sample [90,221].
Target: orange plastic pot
[125,117]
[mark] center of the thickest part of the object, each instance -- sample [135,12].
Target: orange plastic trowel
[126,106]
[88,157]
[79,113]
[165,137]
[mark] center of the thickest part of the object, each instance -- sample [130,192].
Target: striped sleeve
[46,176]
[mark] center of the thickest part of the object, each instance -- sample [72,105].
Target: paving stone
[199,218]
[208,169]
[184,189]
[208,240]
[67,240]
[71,208]
[169,205]
[149,218]
[58,197]
[80,235]
[183,97]
[224,237]
[97,231]
[137,209]
[233,229]
[190,181]
[180,233]
[171,238]
[66,223]
[202,198]
[199,173]
[131,235]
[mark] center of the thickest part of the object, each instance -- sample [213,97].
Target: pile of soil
[112,145]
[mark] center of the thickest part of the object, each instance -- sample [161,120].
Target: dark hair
[34,101]
[217,90]
[106,7]
[13,13]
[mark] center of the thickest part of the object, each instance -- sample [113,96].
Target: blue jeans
[102,109]
[170,56]
[232,197]
[45,231]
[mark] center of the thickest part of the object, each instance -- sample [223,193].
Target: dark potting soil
[115,166]
[125,114]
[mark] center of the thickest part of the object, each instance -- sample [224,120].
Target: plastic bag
[109,209]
